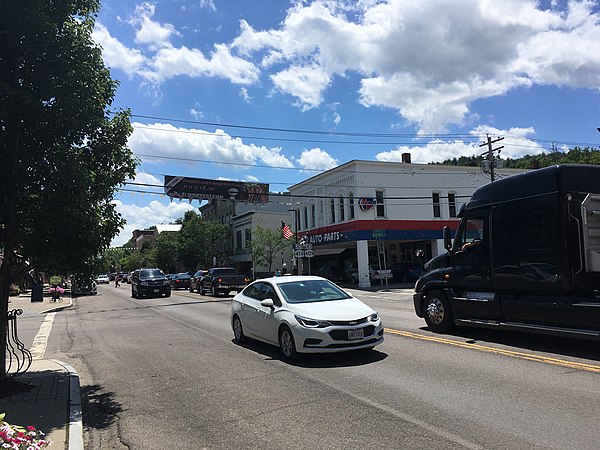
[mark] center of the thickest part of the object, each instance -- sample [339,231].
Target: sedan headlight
[312,323]
[374,317]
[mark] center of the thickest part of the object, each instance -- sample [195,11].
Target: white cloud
[150,32]
[516,144]
[171,62]
[429,61]
[208,4]
[244,94]
[115,54]
[305,83]
[143,177]
[317,159]
[142,217]
[167,140]
[430,71]
[196,114]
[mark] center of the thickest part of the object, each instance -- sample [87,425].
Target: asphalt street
[159,373]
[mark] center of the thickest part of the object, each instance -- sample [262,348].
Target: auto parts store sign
[203,189]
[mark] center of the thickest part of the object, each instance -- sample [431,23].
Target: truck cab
[525,256]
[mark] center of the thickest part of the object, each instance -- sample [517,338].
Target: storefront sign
[366,203]
[325,238]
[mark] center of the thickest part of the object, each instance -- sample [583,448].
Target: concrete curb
[59,308]
[75,429]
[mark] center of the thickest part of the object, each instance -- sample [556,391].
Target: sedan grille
[349,323]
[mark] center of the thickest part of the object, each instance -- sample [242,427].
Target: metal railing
[18,358]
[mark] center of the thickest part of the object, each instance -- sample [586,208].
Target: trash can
[37,293]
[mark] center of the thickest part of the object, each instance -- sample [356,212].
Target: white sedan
[304,314]
[102,279]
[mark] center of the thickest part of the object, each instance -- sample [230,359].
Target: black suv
[149,282]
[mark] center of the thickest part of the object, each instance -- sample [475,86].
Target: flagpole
[293,211]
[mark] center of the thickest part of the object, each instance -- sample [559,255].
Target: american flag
[287,231]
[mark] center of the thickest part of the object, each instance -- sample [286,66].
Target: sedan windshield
[311,291]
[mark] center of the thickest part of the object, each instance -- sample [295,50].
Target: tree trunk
[10,228]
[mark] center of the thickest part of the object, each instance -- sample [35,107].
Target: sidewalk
[51,400]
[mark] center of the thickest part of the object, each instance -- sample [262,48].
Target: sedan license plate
[156,290]
[356,334]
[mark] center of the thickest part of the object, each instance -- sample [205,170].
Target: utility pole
[490,153]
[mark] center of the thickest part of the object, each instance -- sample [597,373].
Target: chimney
[406,158]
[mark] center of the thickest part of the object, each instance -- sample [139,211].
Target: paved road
[164,373]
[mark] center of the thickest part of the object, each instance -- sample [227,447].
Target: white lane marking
[38,348]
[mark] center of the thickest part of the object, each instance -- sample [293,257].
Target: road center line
[38,348]
[512,354]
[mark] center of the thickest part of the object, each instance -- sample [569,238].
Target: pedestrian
[277,273]
[117,281]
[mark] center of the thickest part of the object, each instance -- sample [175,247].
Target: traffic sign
[378,233]
[309,253]
[299,253]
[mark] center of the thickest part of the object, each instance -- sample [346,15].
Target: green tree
[200,240]
[165,248]
[266,245]
[62,152]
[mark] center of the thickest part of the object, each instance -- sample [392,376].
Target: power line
[312,141]
[292,197]
[303,131]
[466,136]
[265,166]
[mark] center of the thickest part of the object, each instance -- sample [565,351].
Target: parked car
[337,274]
[180,281]
[83,286]
[304,314]
[195,280]
[407,271]
[102,279]
[222,280]
[149,282]
[374,275]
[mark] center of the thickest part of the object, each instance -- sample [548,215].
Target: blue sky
[211,85]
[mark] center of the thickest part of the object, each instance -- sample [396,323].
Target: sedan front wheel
[287,344]
[238,331]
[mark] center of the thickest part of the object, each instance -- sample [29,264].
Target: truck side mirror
[447,238]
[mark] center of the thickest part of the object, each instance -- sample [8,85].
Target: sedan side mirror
[267,303]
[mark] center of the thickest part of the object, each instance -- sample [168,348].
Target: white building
[368,213]
[243,218]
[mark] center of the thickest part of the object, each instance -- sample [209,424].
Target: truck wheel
[438,314]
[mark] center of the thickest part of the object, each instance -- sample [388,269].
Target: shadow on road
[576,348]
[99,407]
[319,360]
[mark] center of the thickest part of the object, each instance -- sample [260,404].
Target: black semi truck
[525,256]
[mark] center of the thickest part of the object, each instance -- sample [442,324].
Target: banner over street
[203,189]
